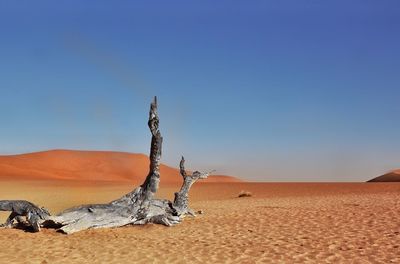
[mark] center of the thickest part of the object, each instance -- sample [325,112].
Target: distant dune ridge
[392,176]
[87,166]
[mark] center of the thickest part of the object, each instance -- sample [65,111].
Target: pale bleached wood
[136,207]
[19,209]
[181,201]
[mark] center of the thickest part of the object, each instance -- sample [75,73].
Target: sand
[280,223]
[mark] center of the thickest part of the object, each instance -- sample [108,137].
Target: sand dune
[87,166]
[281,223]
[393,176]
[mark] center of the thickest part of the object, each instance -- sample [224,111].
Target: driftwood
[136,207]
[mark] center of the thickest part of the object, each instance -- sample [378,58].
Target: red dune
[392,176]
[87,166]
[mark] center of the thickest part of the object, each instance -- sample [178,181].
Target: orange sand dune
[393,176]
[87,166]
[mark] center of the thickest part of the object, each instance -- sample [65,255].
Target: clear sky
[265,90]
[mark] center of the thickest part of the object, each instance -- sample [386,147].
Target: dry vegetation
[245,194]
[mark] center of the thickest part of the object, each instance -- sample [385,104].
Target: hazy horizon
[267,91]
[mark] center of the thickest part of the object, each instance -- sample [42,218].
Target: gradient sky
[265,90]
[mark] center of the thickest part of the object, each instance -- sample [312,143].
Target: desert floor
[280,223]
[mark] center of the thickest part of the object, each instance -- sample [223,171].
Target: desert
[279,223]
[97,218]
[233,132]
[294,222]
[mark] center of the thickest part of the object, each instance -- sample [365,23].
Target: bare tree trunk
[136,207]
[181,201]
[132,208]
[21,208]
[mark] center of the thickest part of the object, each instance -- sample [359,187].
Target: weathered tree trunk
[181,201]
[138,206]
[21,208]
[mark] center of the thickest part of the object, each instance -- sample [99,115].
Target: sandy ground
[281,223]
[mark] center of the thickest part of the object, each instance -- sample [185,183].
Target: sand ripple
[343,228]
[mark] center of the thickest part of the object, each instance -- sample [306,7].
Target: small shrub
[245,194]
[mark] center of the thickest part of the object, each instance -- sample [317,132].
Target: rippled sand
[281,223]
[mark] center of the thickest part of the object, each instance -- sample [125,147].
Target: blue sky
[265,90]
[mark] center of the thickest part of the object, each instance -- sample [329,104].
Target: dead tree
[138,206]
